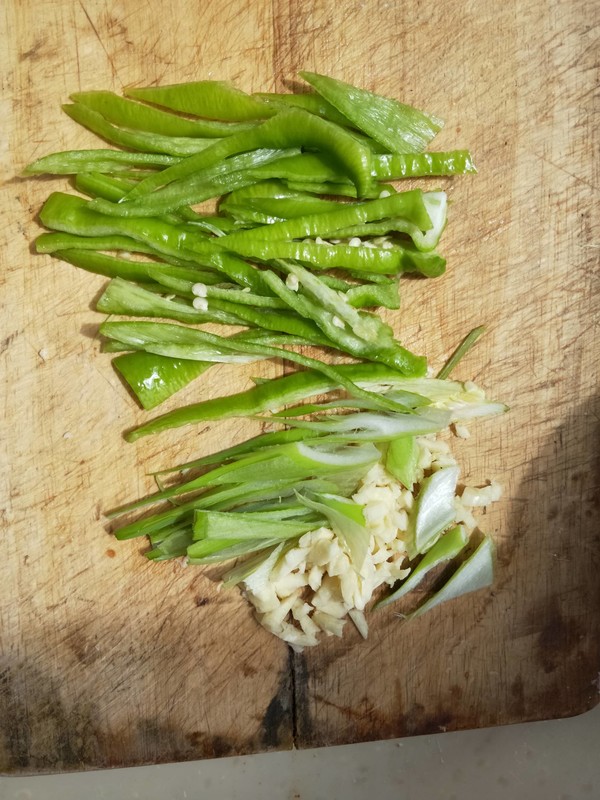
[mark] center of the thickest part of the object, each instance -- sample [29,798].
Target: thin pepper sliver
[293,128]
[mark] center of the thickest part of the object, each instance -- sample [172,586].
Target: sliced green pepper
[293,128]
[266,396]
[138,116]
[135,140]
[398,127]
[71,162]
[153,378]
[216,100]
[394,166]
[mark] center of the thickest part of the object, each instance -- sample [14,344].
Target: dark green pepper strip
[293,128]
[268,396]
[153,378]
[135,140]
[398,127]
[72,162]
[223,177]
[407,205]
[217,100]
[138,116]
[395,166]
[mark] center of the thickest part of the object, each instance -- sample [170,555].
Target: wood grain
[107,660]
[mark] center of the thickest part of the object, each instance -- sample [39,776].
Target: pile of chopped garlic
[313,587]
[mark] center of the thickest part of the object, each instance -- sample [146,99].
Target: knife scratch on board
[95,29]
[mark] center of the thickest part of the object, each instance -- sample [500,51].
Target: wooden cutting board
[107,660]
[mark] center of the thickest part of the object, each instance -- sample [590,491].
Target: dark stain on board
[277,721]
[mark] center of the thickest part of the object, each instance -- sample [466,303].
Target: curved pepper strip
[272,201]
[184,342]
[293,128]
[265,397]
[139,116]
[71,214]
[309,167]
[218,100]
[386,351]
[135,140]
[407,205]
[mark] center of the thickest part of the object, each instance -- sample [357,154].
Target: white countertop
[554,760]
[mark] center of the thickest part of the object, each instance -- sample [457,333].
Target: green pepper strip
[136,140]
[124,297]
[168,339]
[308,101]
[407,205]
[395,166]
[343,189]
[51,242]
[293,128]
[398,127]
[114,267]
[360,259]
[369,337]
[71,162]
[129,114]
[217,100]
[113,189]
[266,397]
[71,214]
[95,184]
[272,201]
[225,176]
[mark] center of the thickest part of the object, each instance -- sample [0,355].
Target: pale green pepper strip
[398,127]
[135,140]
